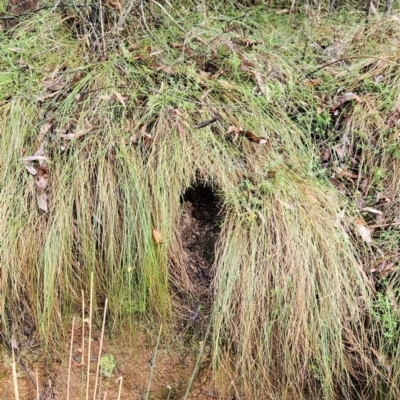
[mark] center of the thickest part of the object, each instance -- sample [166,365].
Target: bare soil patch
[134,356]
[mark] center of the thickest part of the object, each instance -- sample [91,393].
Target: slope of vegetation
[279,128]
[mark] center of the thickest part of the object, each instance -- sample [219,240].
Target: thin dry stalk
[14,372]
[153,365]
[105,395]
[100,349]
[169,15]
[120,379]
[37,385]
[103,42]
[204,5]
[70,358]
[83,328]
[90,336]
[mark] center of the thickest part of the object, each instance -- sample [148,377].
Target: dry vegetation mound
[229,171]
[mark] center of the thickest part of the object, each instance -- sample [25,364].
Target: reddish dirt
[134,358]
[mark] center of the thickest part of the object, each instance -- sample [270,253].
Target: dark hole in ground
[199,221]
[197,232]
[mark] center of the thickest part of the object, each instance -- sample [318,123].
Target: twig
[169,16]
[153,363]
[37,386]
[384,225]
[100,349]
[120,379]
[206,123]
[90,336]
[83,328]
[103,42]
[70,357]
[204,5]
[369,5]
[349,58]
[14,372]
[144,20]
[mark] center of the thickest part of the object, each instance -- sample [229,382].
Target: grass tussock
[115,106]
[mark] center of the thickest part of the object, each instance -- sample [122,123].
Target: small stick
[168,15]
[83,328]
[206,123]
[292,7]
[100,349]
[349,58]
[14,372]
[369,4]
[103,42]
[384,225]
[153,363]
[70,357]
[120,379]
[105,395]
[205,12]
[90,336]
[37,384]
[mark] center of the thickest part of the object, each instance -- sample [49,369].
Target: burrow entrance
[197,231]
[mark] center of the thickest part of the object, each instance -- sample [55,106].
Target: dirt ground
[135,359]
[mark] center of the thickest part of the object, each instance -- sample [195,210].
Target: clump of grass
[118,129]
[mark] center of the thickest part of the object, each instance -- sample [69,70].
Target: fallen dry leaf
[77,134]
[325,154]
[106,97]
[45,128]
[263,87]
[133,139]
[31,169]
[42,201]
[226,85]
[42,178]
[164,68]
[201,40]
[114,4]
[120,98]
[248,42]
[233,129]
[249,135]
[343,172]
[205,75]
[286,205]
[340,152]
[156,236]
[340,100]
[15,49]
[156,53]
[364,232]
